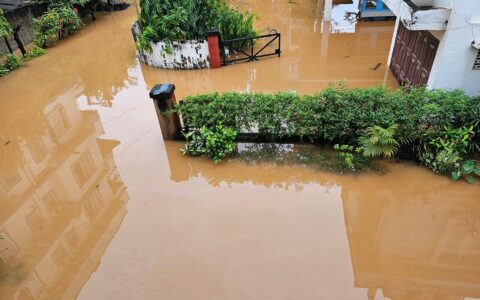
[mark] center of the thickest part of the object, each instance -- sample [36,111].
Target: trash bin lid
[162,91]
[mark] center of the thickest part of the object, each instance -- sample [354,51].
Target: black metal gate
[250,48]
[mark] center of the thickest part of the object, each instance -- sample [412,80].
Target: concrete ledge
[189,54]
[416,17]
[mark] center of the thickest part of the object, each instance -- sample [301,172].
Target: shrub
[12,62]
[3,71]
[46,28]
[35,52]
[216,142]
[352,157]
[54,24]
[336,114]
[419,119]
[190,19]
[468,170]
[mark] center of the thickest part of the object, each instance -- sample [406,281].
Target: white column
[327,10]
[394,38]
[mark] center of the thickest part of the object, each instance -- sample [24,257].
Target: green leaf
[456,175]
[468,167]
[470,179]
[477,170]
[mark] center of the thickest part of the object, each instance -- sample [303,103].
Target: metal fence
[251,48]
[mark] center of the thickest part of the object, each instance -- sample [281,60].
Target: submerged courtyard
[94,204]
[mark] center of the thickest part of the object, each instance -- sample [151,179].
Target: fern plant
[378,141]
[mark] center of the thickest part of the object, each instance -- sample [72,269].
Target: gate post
[163,96]
[213,38]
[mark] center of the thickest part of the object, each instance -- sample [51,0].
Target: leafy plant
[190,19]
[3,71]
[35,52]
[5,27]
[352,157]
[448,138]
[432,127]
[442,162]
[54,24]
[216,142]
[378,141]
[46,28]
[12,62]
[468,170]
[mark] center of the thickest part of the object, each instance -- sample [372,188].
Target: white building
[435,43]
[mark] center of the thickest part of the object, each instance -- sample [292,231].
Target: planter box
[190,54]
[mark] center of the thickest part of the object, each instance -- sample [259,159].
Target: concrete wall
[22,17]
[452,68]
[191,54]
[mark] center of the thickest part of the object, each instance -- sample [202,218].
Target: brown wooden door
[413,56]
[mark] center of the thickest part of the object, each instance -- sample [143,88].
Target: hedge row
[336,114]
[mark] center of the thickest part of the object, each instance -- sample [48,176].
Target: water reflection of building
[62,202]
[406,245]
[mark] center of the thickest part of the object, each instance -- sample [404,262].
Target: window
[52,202]
[83,168]
[37,149]
[93,205]
[9,179]
[60,256]
[35,220]
[476,64]
[58,121]
[371,4]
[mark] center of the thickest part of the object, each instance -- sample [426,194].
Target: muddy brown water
[94,205]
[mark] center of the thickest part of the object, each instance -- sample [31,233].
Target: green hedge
[336,114]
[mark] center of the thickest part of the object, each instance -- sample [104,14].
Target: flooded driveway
[94,205]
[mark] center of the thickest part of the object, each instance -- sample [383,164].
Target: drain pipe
[163,96]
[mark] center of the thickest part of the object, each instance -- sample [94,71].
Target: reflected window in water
[83,168]
[58,121]
[51,202]
[9,179]
[60,255]
[94,205]
[36,221]
[37,149]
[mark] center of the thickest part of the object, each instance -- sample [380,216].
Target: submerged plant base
[315,157]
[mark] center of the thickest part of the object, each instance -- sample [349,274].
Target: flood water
[94,204]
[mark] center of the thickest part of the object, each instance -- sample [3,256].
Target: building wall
[452,68]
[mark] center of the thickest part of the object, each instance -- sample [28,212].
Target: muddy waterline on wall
[94,205]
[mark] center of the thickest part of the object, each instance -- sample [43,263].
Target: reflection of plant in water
[216,142]
[319,159]
[13,276]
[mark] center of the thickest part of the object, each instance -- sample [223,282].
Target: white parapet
[189,54]
[416,17]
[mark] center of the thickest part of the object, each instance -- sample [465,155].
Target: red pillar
[213,38]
